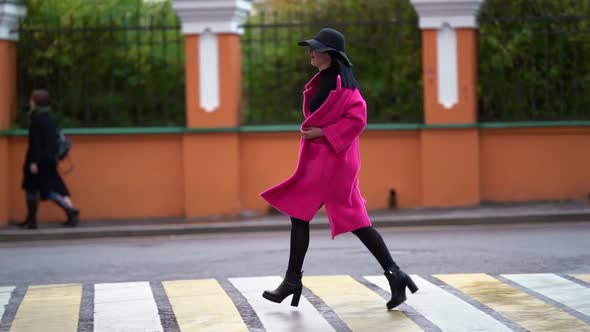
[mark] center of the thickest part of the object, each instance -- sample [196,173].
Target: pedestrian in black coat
[41,178]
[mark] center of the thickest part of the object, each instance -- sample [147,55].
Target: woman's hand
[34,168]
[312,132]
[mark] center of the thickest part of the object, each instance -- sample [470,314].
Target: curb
[16,235]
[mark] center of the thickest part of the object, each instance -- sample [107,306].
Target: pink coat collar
[310,89]
[313,82]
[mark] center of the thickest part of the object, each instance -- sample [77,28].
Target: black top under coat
[327,83]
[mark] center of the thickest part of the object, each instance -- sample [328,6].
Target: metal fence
[105,71]
[383,44]
[534,68]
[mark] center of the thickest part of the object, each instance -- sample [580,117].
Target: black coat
[43,134]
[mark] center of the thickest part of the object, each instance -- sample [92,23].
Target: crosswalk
[445,302]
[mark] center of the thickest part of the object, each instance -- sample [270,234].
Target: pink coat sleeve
[344,131]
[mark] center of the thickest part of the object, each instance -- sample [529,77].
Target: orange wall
[535,164]
[7,82]
[4,189]
[450,167]
[114,177]
[211,173]
[390,160]
[143,176]
[266,159]
[7,112]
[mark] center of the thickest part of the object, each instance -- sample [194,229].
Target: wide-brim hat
[327,40]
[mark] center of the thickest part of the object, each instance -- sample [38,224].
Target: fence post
[10,16]
[450,153]
[213,73]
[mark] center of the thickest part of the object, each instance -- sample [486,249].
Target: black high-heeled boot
[398,281]
[290,285]
[24,223]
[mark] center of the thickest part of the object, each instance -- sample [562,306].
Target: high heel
[411,285]
[295,299]
[398,281]
[291,285]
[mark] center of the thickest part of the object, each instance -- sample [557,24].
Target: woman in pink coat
[327,172]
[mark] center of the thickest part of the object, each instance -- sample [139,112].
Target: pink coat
[328,167]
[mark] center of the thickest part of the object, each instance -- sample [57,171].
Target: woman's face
[31,104]
[321,60]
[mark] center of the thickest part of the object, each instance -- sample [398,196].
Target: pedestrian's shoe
[73,217]
[290,285]
[29,223]
[29,220]
[23,224]
[398,281]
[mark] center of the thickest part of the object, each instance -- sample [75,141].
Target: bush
[383,42]
[115,63]
[121,62]
[532,63]
[531,58]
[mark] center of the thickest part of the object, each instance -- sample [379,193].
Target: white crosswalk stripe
[446,311]
[280,317]
[556,288]
[5,293]
[476,302]
[125,307]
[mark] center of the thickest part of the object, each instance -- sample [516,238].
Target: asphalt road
[494,249]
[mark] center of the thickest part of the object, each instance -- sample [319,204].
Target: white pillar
[213,73]
[446,16]
[217,16]
[10,16]
[208,19]
[449,64]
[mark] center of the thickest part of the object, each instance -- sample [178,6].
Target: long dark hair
[346,74]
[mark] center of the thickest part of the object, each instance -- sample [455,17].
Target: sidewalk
[484,214]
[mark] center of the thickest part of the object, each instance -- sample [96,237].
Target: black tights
[368,235]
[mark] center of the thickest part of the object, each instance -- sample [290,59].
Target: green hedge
[383,42]
[533,63]
[532,60]
[117,63]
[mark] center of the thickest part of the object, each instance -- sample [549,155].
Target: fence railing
[384,46]
[105,71]
[534,68]
[121,72]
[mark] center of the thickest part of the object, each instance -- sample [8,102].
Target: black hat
[327,40]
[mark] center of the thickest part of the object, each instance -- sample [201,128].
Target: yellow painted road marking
[444,310]
[203,305]
[49,308]
[523,309]
[583,277]
[556,288]
[359,307]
